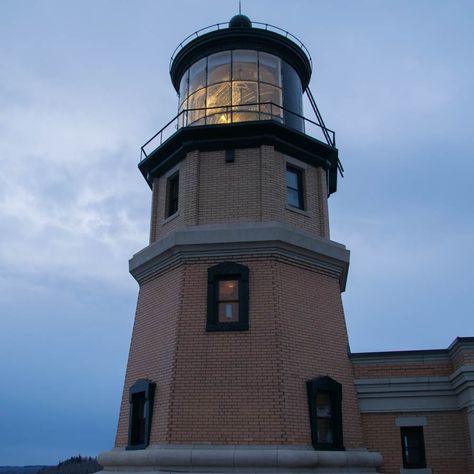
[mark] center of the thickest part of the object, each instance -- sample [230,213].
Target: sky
[84,84]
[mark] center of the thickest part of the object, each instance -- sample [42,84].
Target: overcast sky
[84,84]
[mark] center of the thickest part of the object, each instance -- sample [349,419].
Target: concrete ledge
[227,240]
[405,394]
[410,421]
[251,459]
[415,471]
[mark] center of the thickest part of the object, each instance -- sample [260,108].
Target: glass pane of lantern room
[271,96]
[183,87]
[217,95]
[244,92]
[244,65]
[182,119]
[269,69]
[219,67]
[197,75]
[196,101]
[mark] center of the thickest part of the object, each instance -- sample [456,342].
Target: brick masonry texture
[152,349]
[425,369]
[446,441]
[241,387]
[250,189]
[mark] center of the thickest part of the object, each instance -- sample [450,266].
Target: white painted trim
[170,218]
[295,162]
[301,212]
[172,171]
[410,421]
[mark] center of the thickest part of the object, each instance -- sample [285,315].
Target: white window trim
[296,163]
[402,421]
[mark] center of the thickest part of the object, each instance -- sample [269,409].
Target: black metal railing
[255,24]
[229,114]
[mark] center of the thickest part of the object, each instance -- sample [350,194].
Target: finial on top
[240,21]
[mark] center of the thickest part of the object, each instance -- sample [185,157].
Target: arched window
[141,395]
[228,297]
[325,397]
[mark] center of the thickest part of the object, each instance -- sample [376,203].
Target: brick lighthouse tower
[239,354]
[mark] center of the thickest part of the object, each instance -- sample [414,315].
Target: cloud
[70,198]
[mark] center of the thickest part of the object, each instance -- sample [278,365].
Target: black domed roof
[241,34]
[240,21]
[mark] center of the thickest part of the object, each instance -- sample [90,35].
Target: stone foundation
[245,459]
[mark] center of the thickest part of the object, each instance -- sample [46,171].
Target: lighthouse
[239,355]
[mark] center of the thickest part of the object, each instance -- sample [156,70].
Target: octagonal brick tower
[239,354]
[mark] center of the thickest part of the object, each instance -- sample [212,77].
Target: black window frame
[172,194]
[418,431]
[227,271]
[146,388]
[300,186]
[330,387]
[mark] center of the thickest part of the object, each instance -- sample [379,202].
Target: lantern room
[241,72]
[240,84]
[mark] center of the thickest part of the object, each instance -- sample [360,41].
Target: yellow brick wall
[245,387]
[152,350]
[250,189]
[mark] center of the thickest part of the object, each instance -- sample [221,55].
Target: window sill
[223,327]
[170,218]
[134,447]
[415,470]
[328,447]
[301,212]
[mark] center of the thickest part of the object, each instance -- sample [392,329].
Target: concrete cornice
[457,347]
[461,344]
[247,239]
[400,357]
[454,392]
[252,459]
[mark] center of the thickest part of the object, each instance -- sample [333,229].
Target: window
[228,300]
[141,396]
[324,397]
[294,186]
[413,447]
[232,86]
[172,195]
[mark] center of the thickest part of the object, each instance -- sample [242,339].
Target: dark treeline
[74,465]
